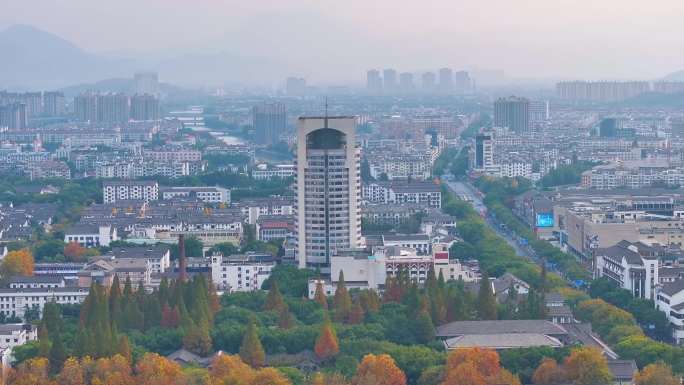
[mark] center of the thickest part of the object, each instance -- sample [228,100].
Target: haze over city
[333,43]
[318,192]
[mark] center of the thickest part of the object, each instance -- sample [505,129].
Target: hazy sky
[337,40]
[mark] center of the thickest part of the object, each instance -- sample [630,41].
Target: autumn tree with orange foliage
[548,373]
[587,366]
[378,370]
[31,372]
[113,370]
[476,366]
[18,262]
[153,369]
[72,373]
[229,369]
[656,374]
[326,343]
[73,251]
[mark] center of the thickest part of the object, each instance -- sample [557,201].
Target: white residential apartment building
[15,302]
[514,169]
[670,300]
[256,207]
[139,168]
[630,266]
[173,155]
[130,190]
[328,187]
[426,193]
[401,166]
[279,171]
[633,174]
[205,194]
[240,272]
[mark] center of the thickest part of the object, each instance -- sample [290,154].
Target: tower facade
[374,82]
[328,187]
[270,120]
[512,112]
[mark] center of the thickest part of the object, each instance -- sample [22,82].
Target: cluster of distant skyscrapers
[119,107]
[17,108]
[115,107]
[445,81]
[612,91]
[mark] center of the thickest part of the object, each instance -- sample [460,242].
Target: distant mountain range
[124,85]
[35,59]
[32,59]
[675,76]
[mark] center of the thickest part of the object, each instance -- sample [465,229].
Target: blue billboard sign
[545,220]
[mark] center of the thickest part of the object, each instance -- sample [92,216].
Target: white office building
[239,272]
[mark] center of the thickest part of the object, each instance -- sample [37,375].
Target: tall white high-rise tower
[328,186]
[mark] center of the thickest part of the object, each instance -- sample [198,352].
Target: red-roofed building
[272,227]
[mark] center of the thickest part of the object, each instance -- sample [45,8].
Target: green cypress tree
[152,311]
[412,298]
[201,309]
[251,350]
[185,322]
[456,307]
[431,281]
[424,329]
[441,282]
[58,353]
[128,289]
[52,319]
[342,302]
[486,303]
[115,310]
[133,316]
[44,344]
[81,343]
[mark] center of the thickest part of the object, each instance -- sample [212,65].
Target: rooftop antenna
[326,113]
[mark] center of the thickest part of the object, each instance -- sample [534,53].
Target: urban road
[469,193]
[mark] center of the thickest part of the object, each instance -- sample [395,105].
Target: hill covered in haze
[38,59]
[35,59]
[675,76]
